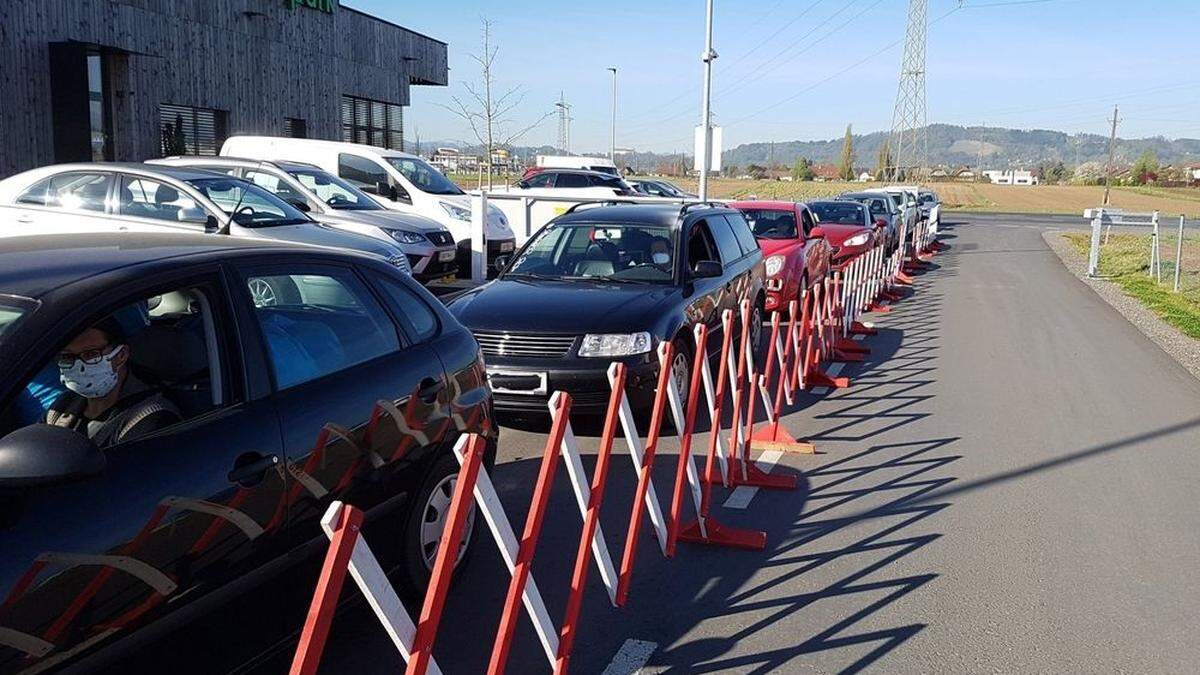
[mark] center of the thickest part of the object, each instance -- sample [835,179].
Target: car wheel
[681,368]
[425,521]
[271,291]
[756,324]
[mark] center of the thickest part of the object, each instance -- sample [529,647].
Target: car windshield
[423,176]
[926,198]
[334,191]
[10,315]
[614,252]
[767,224]
[841,213]
[248,204]
[897,199]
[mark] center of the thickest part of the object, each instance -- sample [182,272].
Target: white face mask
[91,380]
[660,258]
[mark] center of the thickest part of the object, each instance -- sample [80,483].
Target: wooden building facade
[128,80]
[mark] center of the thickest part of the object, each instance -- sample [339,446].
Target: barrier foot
[851,346]
[721,535]
[902,278]
[891,296]
[924,257]
[774,437]
[756,477]
[859,328]
[819,378]
[939,246]
[878,307]
[839,356]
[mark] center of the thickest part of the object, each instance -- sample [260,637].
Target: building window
[372,122]
[294,127]
[191,131]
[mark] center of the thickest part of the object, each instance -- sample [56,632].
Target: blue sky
[804,69]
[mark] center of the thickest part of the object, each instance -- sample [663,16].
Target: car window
[609,181]
[276,186]
[842,213]
[248,204]
[618,252]
[317,324]
[541,180]
[361,171]
[878,208]
[571,180]
[145,198]
[726,240]
[418,319]
[741,230]
[701,246]
[771,223]
[160,356]
[81,191]
[336,192]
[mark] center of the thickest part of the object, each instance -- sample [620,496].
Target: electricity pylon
[909,140]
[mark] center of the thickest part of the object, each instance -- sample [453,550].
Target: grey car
[136,198]
[429,246]
[880,207]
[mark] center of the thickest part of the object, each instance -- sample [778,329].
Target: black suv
[209,397]
[610,282]
[577,178]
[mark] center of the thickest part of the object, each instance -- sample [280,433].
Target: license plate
[512,382]
[506,246]
[445,256]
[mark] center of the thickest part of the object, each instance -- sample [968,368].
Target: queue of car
[187,382]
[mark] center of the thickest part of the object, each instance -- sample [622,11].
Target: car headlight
[407,237]
[620,344]
[456,212]
[774,265]
[857,240]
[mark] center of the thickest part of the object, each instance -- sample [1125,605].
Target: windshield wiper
[529,275]
[615,280]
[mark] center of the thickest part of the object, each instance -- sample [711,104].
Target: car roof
[860,195]
[176,172]
[666,215]
[767,205]
[225,160]
[32,266]
[586,172]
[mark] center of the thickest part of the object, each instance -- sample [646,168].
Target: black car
[576,178]
[226,421]
[610,282]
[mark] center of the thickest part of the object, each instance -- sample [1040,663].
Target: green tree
[802,169]
[1054,172]
[1145,169]
[756,171]
[883,160]
[846,168]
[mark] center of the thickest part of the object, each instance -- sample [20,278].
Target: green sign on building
[323,5]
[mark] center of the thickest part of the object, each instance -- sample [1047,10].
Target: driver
[103,399]
[660,252]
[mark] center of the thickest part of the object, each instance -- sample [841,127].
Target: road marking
[742,494]
[630,657]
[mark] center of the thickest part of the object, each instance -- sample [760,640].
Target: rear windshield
[12,312]
[841,213]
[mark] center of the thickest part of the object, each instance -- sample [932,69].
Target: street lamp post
[612,138]
[706,112]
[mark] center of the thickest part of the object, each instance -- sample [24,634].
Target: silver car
[331,200]
[130,197]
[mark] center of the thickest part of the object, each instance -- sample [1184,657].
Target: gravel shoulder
[1180,347]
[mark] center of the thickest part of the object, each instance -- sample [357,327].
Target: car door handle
[23,218]
[249,468]
[429,389]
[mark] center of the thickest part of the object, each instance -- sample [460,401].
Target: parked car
[571,183]
[796,254]
[605,283]
[883,212]
[931,207]
[117,534]
[600,164]
[659,188]
[333,201]
[905,200]
[847,227]
[112,197]
[397,180]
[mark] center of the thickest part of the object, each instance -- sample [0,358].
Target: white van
[397,179]
[601,164]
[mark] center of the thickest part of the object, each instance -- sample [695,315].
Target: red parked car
[796,256]
[848,228]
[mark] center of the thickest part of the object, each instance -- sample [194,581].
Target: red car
[795,257]
[848,228]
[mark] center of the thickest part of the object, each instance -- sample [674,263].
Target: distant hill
[998,147]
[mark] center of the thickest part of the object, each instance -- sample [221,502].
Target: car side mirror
[300,205]
[194,215]
[881,222]
[386,190]
[42,454]
[708,269]
[816,233]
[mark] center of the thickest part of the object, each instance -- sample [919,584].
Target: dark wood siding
[257,59]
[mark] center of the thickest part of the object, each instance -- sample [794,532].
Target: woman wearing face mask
[103,399]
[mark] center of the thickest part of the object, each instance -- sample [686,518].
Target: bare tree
[487,112]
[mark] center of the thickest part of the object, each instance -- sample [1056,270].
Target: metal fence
[1102,221]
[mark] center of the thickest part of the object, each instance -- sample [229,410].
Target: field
[1065,199]
[1125,259]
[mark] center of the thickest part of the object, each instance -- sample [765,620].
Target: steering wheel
[336,199]
[246,210]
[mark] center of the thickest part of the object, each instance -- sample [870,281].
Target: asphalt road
[1008,485]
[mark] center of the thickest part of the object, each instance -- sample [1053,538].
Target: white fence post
[1179,253]
[1094,250]
[479,209]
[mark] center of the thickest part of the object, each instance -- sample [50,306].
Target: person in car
[104,399]
[660,252]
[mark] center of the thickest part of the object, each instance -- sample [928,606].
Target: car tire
[428,511]
[271,291]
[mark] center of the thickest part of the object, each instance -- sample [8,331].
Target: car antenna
[242,196]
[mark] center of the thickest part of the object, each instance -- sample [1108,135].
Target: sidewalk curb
[1178,346]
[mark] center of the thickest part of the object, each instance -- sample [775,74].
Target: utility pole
[909,139]
[1112,148]
[612,139]
[707,57]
